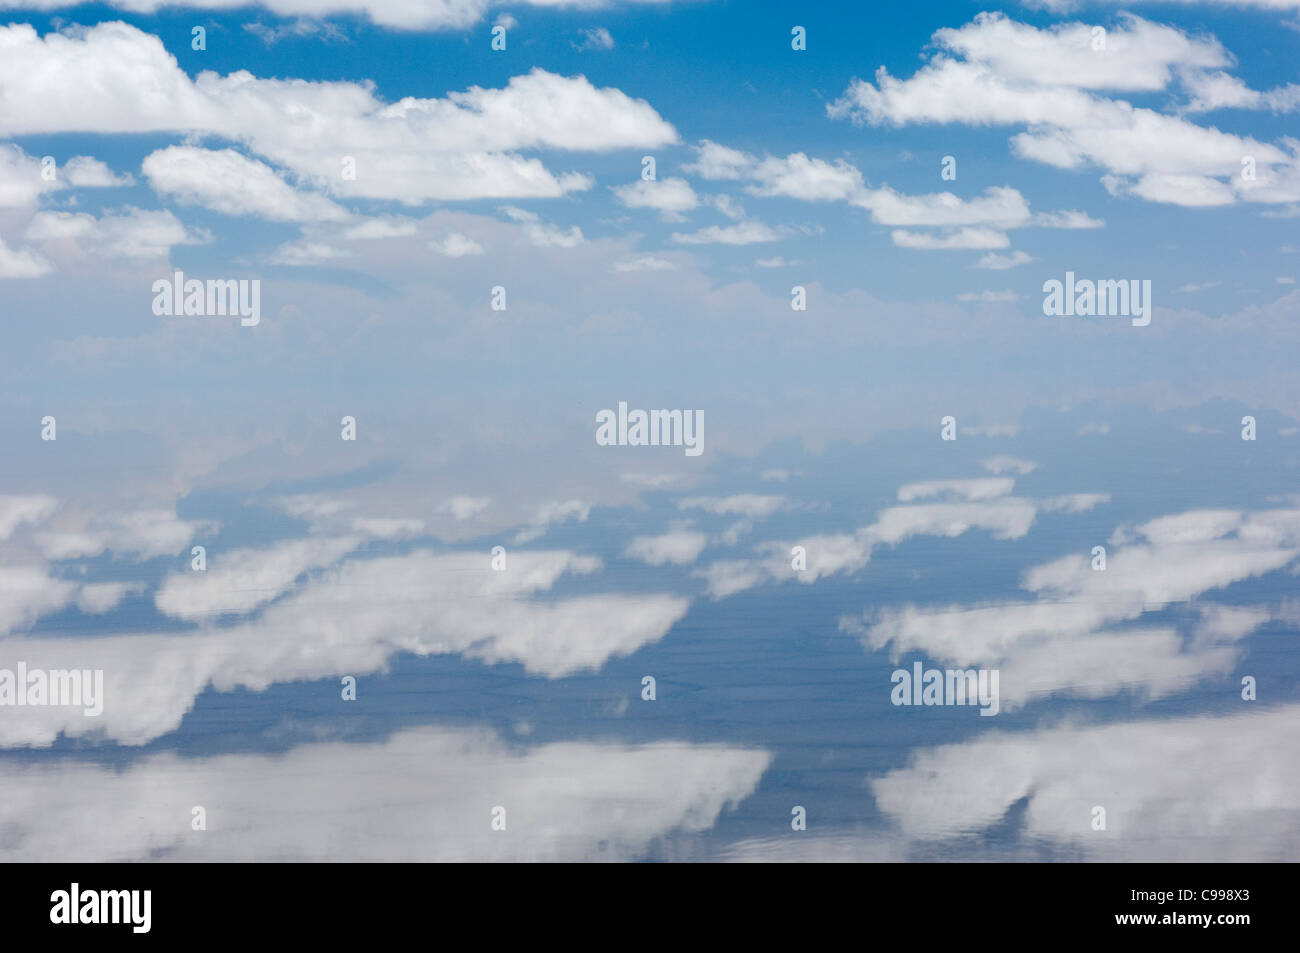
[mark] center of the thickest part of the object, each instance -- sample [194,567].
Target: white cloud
[86,172]
[226,181]
[678,547]
[464,507]
[457,245]
[141,533]
[101,597]
[983,488]
[744,233]
[237,581]
[995,262]
[988,297]
[1220,90]
[306,253]
[1072,219]
[388,527]
[549,514]
[815,180]
[421,603]
[1174,789]
[379,228]
[752,505]
[542,234]
[21,182]
[299,29]
[645,263]
[409,15]
[670,197]
[17,510]
[1008,464]
[994,71]
[980,503]
[714,161]
[22,263]
[130,233]
[436,805]
[29,592]
[978,238]
[812,180]
[727,206]
[114,78]
[999,207]
[597,38]
[1063,643]
[1075,502]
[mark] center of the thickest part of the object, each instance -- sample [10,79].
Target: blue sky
[1101,139]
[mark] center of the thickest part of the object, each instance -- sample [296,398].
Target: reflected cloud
[1061,642]
[349,620]
[421,795]
[1206,788]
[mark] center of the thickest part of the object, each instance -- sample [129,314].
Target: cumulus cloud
[115,78]
[464,507]
[86,172]
[349,619]
[981,503]
[411,15]
[597,38]
[436,807]
[1008,464]
[29,592]
[1185,789]
[745,233]
[239,580]
[379,228]
[23,179]
[548,514]
[753,505]
[982,488]
[995,71]
[305,253]
[971,222]
[457,245]
[17,510]
[139,533]
[1065,640]
[542,234]
[976,238]
[670,197]
[995,262]
[226,181]
[22,263]
[679,547]
[645,263]
[130,233]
